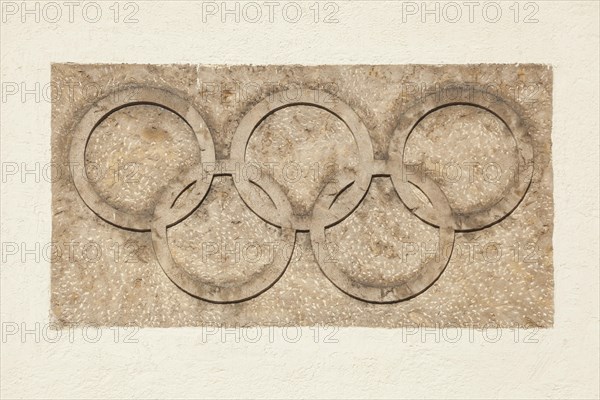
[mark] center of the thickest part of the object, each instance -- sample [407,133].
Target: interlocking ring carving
[329,208]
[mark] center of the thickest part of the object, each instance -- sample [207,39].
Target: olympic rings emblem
[329,208]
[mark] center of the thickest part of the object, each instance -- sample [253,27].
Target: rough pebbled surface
[501,275]
[128,150]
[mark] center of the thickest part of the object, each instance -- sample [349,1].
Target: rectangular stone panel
[345,195]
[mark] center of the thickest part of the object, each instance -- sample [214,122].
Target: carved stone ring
[512,195]
[330,207]
[102,110]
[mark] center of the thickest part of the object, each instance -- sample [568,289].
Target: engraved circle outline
[513,194]
[186,281]
[401,289]
[101,110]
[308,97]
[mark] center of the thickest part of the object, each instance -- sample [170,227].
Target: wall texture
[323,362]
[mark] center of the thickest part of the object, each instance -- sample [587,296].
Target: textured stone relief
[378,196]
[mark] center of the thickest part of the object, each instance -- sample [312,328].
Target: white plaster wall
[557,363]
